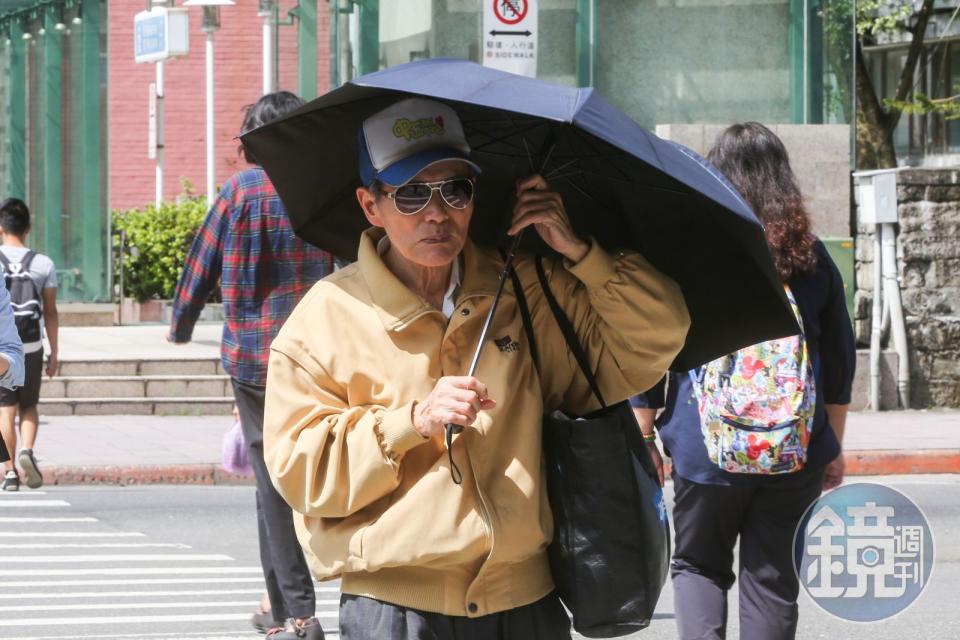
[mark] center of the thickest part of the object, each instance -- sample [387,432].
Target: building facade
[74,113]
[74,119]
[53,129]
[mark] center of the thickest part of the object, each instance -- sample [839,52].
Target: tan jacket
[376,501]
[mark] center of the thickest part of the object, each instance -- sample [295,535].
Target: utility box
[877,196]
[160,33]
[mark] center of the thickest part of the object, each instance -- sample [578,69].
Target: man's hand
[833,473]
[52,365]
[537,205]
[454,400]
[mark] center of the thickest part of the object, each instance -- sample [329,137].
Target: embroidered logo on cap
[416,129]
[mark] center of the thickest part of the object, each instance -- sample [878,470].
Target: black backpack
[24,296]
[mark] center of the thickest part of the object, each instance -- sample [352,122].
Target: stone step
[185,406]
[86,314]
[142,367]
[148,386]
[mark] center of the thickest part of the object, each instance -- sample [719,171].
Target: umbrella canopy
[621,184]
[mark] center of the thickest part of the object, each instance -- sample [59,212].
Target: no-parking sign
[510,36]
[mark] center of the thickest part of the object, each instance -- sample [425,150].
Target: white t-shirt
[42,270]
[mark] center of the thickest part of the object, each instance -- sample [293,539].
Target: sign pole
[159,135]
[266,11]
[211,143]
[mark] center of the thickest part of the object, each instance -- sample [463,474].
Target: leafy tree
[877,116]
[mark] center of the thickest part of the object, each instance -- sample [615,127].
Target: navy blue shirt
[830,342]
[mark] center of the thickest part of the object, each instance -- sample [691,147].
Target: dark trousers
[368,619]
[707,521]
[289,585]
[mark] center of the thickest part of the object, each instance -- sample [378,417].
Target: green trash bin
[843,254]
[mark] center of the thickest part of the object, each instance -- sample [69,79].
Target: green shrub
[157,242]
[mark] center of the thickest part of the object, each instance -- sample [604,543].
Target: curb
[858,463]
[901,461]
[201,474]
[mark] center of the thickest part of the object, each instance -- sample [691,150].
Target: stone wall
[819,156]
[928,257]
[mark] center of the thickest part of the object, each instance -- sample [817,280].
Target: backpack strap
[792,299]
[24,262]
[27,260]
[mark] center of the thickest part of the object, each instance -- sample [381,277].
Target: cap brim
[402,171]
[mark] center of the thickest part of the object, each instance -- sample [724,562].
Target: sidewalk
[187,449]
[143,342]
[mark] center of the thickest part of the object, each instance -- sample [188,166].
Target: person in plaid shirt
[246,242]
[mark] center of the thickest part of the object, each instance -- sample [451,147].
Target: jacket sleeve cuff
[397,435]
[596,269]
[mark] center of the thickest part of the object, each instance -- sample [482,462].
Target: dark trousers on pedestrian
[289,585]
[708,519]
[364,618]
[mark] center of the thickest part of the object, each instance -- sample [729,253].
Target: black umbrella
[622,185]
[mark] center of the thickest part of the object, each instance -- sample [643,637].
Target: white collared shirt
[450,297]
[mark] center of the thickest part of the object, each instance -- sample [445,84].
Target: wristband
[649,437]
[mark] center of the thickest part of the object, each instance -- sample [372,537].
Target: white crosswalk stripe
[6,561]
[96,545]
[8,503]
[16,520]
[72,534]
[68,574]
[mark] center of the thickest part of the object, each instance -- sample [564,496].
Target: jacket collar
[397,305]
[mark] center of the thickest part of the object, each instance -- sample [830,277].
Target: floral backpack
[757,404]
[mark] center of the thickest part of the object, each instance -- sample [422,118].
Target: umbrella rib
[555,172]
[585,193]
[498,139]
[589,142]
[634,182]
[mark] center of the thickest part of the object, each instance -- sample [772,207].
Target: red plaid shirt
[246,242]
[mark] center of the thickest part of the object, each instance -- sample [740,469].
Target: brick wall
[238,61]
[928,259]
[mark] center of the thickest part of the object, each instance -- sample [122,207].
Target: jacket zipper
[484,510]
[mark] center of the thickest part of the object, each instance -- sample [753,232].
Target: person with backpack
[754,437]
[31,279]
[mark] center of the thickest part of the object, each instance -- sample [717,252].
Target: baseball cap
[402,140]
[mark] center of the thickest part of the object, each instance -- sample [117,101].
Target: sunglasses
[413,197]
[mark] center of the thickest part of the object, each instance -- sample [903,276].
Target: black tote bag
[611,546]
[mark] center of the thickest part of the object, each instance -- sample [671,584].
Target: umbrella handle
[452,429]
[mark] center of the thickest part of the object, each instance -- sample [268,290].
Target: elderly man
[369,368]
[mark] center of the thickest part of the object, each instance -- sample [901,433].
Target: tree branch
[866,94]
[913,56]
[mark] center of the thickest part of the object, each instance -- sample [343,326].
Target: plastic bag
[236,457]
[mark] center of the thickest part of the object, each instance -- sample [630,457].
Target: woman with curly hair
[713,507]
